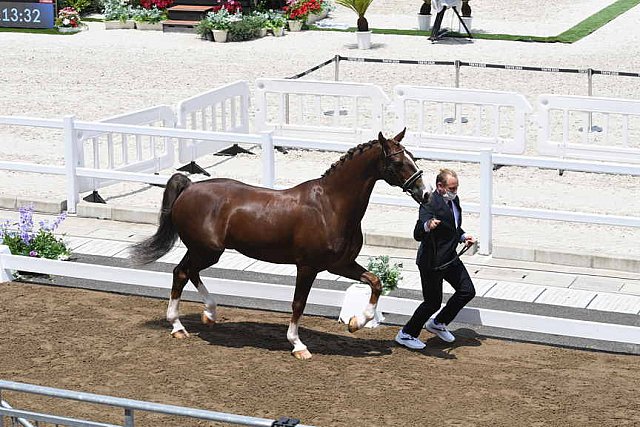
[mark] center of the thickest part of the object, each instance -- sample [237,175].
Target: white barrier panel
[592,128]
[462,119]
[224,109]
[340,111]
[127,152]
[326,297]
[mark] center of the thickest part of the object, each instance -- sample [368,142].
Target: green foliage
[388,273]
[23,239]
[275,20]
[79,5]
[242,29]
[219,20]
[152,16]
[203,27]
[358,6]
[117,10]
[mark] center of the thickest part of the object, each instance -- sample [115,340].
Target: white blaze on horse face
[172,315]
[209,302]
[294,339]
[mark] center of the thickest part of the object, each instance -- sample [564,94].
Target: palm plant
[360,7]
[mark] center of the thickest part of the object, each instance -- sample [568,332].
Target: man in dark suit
[439,231]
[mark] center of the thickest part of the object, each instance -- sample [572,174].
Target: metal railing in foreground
[129,406]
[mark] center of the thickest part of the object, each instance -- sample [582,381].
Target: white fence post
[6,275]
[486,200]
[71,163]
[268,160]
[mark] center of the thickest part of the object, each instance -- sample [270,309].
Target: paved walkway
[501,279]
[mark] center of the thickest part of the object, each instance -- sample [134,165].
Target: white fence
[200,142]
[567,124]
[224,109]
[462,119]
[126,152]
[323,297]
[336,110]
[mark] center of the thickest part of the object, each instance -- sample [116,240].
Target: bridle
[411,180]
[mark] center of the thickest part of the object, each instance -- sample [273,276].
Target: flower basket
[68,20]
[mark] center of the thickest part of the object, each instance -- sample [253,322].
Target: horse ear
[399,136]
[381,138]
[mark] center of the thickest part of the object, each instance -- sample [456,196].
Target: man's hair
[444,174]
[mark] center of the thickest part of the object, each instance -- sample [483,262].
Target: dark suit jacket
[437,246]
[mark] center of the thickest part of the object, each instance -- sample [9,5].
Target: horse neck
[351,183]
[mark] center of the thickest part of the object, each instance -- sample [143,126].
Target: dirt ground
[120,346]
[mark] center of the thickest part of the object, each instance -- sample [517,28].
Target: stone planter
[313,17]
[148,26]
[295,25]
[220,36]
[278,32]
[424,22]
[69,29]
[262,32]
[364,39]
[120,25]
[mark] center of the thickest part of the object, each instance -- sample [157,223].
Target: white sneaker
[440,329]
[409,341]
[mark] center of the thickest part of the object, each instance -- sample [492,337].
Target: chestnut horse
[314,225]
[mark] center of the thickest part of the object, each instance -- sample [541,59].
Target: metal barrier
[128,406]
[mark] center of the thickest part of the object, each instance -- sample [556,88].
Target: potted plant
[466,15]
[276,23]
[360,7]
[117,15]
[22,238]
[258,21]
[149,19]
[325,6]
[203,29]
[220,23]
[68,20]
[389,274]
[297,12]
[424,16]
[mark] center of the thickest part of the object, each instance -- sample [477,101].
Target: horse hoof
[302,354]
[181,334]
[206,320]
[353,324]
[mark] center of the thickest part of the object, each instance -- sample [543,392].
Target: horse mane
[360,148]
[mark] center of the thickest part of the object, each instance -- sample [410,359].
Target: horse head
[399,168]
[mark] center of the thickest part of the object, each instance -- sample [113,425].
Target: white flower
[66,21]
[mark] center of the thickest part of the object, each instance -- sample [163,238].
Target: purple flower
[33,254]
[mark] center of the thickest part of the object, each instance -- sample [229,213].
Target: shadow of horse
[266,336]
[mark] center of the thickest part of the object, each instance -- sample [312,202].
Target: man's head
[447,184]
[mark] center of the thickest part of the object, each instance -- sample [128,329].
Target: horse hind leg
[180,279]
[189,269]
[357,272]
[209,313]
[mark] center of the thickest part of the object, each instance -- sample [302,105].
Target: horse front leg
[356,272]
[304,280]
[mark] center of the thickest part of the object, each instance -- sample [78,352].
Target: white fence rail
[567,125]
[324,297]
[463,119]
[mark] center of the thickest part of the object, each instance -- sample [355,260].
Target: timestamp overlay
[26,14]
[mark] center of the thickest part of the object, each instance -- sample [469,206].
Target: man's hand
[469,240]
[433,223]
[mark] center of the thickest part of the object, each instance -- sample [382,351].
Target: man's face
[450,184]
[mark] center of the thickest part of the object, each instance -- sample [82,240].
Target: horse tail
[166,235]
